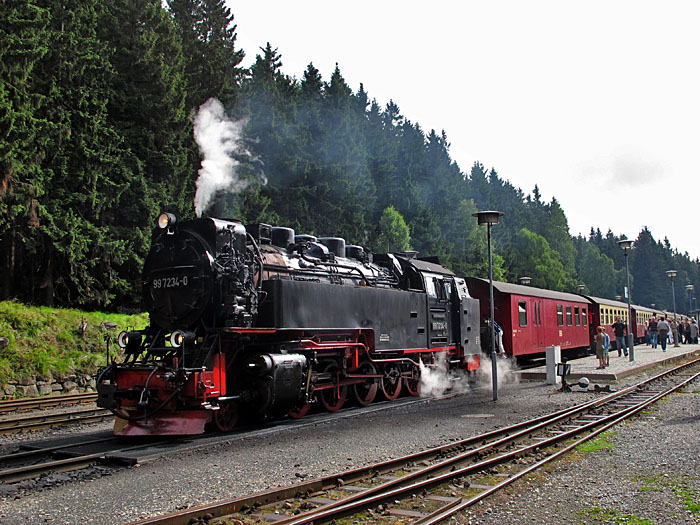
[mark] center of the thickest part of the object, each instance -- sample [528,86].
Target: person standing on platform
[620,330]
[499,339]
[664,329]
[653,331]
[693,331]
[600,347]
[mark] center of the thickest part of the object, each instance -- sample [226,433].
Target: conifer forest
[98,102]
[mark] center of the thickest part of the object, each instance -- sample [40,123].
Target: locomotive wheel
[391,382]
[412,381]
[366,391]
[300,411]
[334,398]
[226,417]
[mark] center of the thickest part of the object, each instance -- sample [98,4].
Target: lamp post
[671,274]
[490,218]
[690,289]
[626,245]
[581,288]
[525,280]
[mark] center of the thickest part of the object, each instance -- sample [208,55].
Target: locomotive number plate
[170,282]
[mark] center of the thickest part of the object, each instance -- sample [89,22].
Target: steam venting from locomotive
[223,153]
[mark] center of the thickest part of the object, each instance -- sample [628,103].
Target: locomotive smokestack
[219,141]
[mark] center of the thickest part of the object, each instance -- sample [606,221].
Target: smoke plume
[223,153]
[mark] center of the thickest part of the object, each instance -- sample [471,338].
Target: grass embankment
[48,343]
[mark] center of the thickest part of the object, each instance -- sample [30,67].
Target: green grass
[691,499]
[680,487]
[47,343]
[608,515]
[600,443]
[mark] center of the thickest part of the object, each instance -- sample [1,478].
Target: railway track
[36,421]
[432,485]
[34,403]
[41,418]
[71,455]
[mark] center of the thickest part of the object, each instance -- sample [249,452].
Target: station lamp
[626,246]
[690,289]
[525,280]
[671,274]
[488,219]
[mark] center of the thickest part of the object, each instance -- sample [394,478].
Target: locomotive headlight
[166,220]
[180,337]
[129,339]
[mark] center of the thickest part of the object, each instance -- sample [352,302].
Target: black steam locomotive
[262,321]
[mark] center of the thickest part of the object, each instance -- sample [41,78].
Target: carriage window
[569,321]
[560,315]
[522,313]
[537,322]
[577,316]
[584,316]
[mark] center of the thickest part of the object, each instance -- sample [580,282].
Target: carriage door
[537,324]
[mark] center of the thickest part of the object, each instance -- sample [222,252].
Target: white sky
[597,102]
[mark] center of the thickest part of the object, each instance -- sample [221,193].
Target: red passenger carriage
[534,318]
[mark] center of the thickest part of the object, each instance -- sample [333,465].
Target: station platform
[645,357]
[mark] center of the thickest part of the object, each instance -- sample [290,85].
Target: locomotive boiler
[260,321]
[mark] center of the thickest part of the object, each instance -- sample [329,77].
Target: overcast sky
[597,102]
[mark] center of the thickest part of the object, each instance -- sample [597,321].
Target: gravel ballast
[649,471]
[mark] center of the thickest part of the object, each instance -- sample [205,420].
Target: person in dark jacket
[653,332]
[620,330]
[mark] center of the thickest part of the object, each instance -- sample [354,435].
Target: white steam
[219,141]
[436,380]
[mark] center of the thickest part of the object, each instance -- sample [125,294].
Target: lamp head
[672,273]
[525,280]
[489,217]
[625,244]
[166,220]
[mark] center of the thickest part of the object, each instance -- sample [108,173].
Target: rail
[432,485]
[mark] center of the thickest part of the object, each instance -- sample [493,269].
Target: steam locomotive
[260,321]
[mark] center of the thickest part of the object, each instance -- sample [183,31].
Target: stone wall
[32,387]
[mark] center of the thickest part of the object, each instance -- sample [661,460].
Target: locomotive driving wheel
[300,411]
[226,417]
[333,398]
[366,391]
[412,380]
[391,382]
